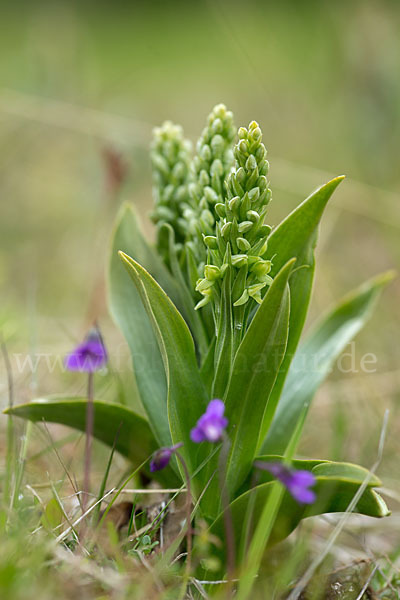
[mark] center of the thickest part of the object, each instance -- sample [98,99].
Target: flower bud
[239,260]
[193,190]
[243,244]
[256,133]
[216,126]
[245,226]
[178,172]
[160,163]
[251,163]
[205,153]
[262,183]
[210,241]
[168,192]
[242,146]
[254,194]
[237,188]
[211,272]
[210,195]
[220,209]
[225,230]
[264,230]
[261,268]
[260,247]
[234,204]
[204,178]
[219,111]
[203,285]
[217,168]
[217,144]
[196,163]
[260,154]
[240,175]
[207,217]
[162,457]
[164,214]
[253,216]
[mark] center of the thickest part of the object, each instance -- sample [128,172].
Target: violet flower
[90,356]
[162,457]
[211,425]
[296,482]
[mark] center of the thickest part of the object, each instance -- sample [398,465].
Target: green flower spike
[241,235]
[170,158]
[210,168]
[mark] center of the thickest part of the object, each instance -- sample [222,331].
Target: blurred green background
[80,78]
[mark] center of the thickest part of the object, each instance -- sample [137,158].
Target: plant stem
[227,514]
[89,438]
[188,513]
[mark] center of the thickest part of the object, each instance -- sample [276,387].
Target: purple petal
[211,424]
[197,435]
[302,495]
[303,478]
[160,459]
[215,408]
[89,356]
[296,482]
[212,431]
[73,362]
[277,469]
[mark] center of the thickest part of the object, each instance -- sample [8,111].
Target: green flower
[170,158]
[210,168]
[240,239]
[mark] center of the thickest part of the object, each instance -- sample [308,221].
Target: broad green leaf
[254,372]
[296,237]
[315,357]
[293,234]
[187,397]
[334,494]
[207,368]
[112,423]
[193,317]
[146,254]
[128,312]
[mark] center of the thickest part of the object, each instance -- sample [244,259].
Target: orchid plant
[213,315]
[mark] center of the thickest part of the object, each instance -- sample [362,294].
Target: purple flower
[162,457]
[296,482]
[89,356]
[211,425]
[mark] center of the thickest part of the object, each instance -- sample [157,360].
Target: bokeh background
[79,80]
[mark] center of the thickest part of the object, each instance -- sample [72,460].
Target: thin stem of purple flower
[228,521]
[188,512]
[89,437]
